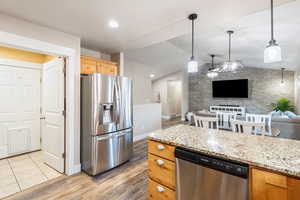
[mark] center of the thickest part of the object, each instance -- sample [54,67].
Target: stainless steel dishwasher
[204,177]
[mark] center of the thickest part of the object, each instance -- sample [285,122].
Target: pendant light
[230,66]
[212,71]
[272,52]
[193,64]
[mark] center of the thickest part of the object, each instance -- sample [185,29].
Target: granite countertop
[277,154]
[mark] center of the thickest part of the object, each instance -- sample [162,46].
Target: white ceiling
[252,33]
[142,22]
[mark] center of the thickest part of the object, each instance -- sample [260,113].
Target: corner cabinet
[266,185]
[91,65]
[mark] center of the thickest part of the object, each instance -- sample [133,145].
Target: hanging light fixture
[273,51]
[212,71]
[230,66]
[193,64]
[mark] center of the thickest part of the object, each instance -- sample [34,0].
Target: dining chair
[206,122]
[267,119]
[225,118]
[239,126]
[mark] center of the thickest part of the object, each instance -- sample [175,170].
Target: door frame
[72,86]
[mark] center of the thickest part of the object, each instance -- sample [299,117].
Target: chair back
[248,127]
[206,122]
[224,119]
[267,119]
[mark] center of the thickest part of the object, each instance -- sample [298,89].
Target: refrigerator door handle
[123,133]
[117,102]
[99,138]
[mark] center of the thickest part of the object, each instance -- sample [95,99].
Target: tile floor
[22,172]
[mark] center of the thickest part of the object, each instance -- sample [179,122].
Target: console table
[231,109]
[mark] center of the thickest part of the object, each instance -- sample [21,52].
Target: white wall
[26,29]
[169,96]
[174,95]
[139,73]
[146,115]
[146,118]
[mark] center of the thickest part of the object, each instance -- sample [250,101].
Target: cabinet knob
[160,147]
[160,162]
[160,189]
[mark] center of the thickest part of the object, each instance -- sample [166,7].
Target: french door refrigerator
[106,122]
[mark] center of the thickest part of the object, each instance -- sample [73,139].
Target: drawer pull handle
[160,147]
[160,189]
[160,162]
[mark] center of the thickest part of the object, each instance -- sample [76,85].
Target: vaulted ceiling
[142,22]
[157,32]
[252,33]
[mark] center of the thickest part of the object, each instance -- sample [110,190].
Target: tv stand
[229,109]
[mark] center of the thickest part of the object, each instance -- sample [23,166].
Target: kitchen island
[274,163]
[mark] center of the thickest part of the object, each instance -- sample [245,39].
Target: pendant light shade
[212,74]
[192,64]
[272,52]
[212,71]
[231,66]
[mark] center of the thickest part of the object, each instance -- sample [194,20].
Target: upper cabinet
[91,65]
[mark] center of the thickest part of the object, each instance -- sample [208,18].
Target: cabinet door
[88,66]
[107,68]
[157,191]
[99,67]
[293,189]
[268,186]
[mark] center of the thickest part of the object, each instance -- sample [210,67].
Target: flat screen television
[230,88]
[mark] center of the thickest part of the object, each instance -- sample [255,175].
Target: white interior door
[19,108]
[53,137]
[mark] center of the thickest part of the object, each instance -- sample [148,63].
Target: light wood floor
[128,182]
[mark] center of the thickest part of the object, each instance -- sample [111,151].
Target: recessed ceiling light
[152,75]
[113,24]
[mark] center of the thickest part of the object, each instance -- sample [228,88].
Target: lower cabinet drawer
[161,170]
[157,191]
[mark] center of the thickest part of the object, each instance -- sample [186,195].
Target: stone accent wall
[264,89]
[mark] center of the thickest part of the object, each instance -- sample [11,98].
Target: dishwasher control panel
[228,166]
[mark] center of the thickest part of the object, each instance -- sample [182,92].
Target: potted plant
[283,105]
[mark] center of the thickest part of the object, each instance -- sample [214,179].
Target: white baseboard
[76,169]
[170,116]
[166,117]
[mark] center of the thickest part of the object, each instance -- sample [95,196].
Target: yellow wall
[16,54]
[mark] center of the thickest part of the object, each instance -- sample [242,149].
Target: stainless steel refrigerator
[106,122]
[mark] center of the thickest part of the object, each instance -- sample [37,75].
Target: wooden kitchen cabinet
[266,185]
[91,65]
[162,150]
[162,171]
[160,192]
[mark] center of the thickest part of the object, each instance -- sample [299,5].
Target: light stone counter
[281,155]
